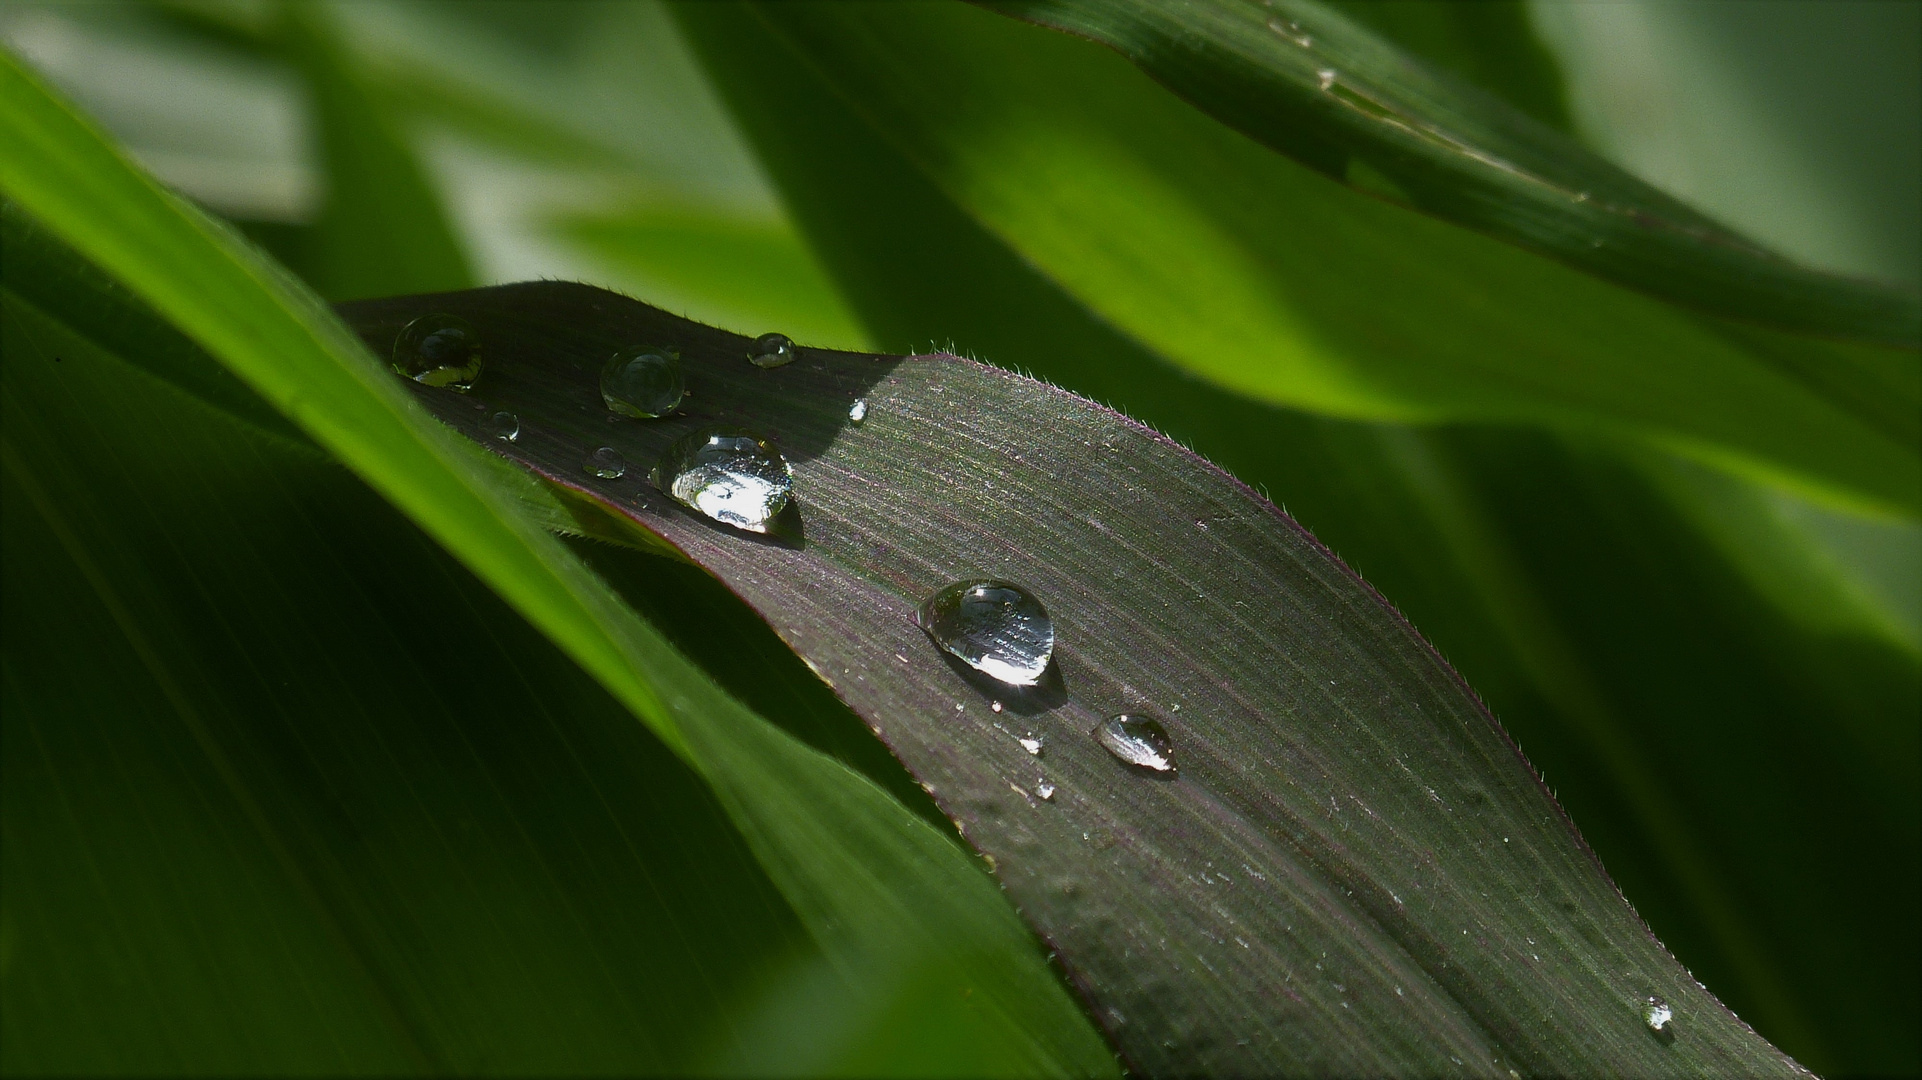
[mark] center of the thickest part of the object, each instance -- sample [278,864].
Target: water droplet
[1031,744]
[606,463]
[1138,741]
[1292,31]
[504,425]
[439,350]
[732,476]
[858,411]
[1326,77]
[995,627]
[995,705]
[1657,1015]
[771,351]
[1044,790]
[643,382]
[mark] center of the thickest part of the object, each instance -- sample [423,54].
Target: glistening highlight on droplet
[643,382]
[439,350]
[606,463]
[1138,740]
[771,351]
[995,627]
[734,477]
[1657,1015]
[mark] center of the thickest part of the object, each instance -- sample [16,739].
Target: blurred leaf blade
[1254,273]
[869,879]
[1302,78]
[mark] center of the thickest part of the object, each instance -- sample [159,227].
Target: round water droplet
[1657,1015]
[1326,77]
[1137,740]
[733,476]
[1031,744]
[1044,789]
[771,351]
[606,463]
[858,412]
[644,382]
[995,627]
[505,426]
[439,350]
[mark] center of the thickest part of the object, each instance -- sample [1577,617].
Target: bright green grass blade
[1300,77]
[868,879]
[1263,277]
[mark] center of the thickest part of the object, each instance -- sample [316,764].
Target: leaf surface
[1354,870]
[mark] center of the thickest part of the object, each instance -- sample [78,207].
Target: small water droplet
[995,705]
[1657,1015]
[858,412]
[1137,740]
[643,382]
[995,627]
[1292,31]
[1031,744]
[504,425]
[1044,790]
[771,351]
[439,350]
[733,476]
[1326,77]
[606,463]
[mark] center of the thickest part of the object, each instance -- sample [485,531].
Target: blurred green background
[1719,677]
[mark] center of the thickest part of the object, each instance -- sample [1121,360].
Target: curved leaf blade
[869,880]
[1304,79]
[1354,871]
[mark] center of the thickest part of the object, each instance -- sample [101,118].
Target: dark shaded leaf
[1354,870]
[1307,80]
[1736,859]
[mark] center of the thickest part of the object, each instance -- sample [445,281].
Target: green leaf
[1267,279]
[1303,78]
[1353,871]
[1593,614]
[871,882]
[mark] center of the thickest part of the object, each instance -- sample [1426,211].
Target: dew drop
[995,627]
[995,705]
[643,382]
[1657,1015]
[1044,790]
[771,351]
[504,426]
[733,476]
[1137,740]
[1031,744]
[1326,77]
[858,412]
[439,350]
[606,463]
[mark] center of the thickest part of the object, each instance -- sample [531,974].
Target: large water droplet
[439,350]
[733,476]
[771,350]
[858,412]
[995,627]
[644,383]
[1044,789]
[606,463]
[505,426]
[1657,1015]
[1138,741]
